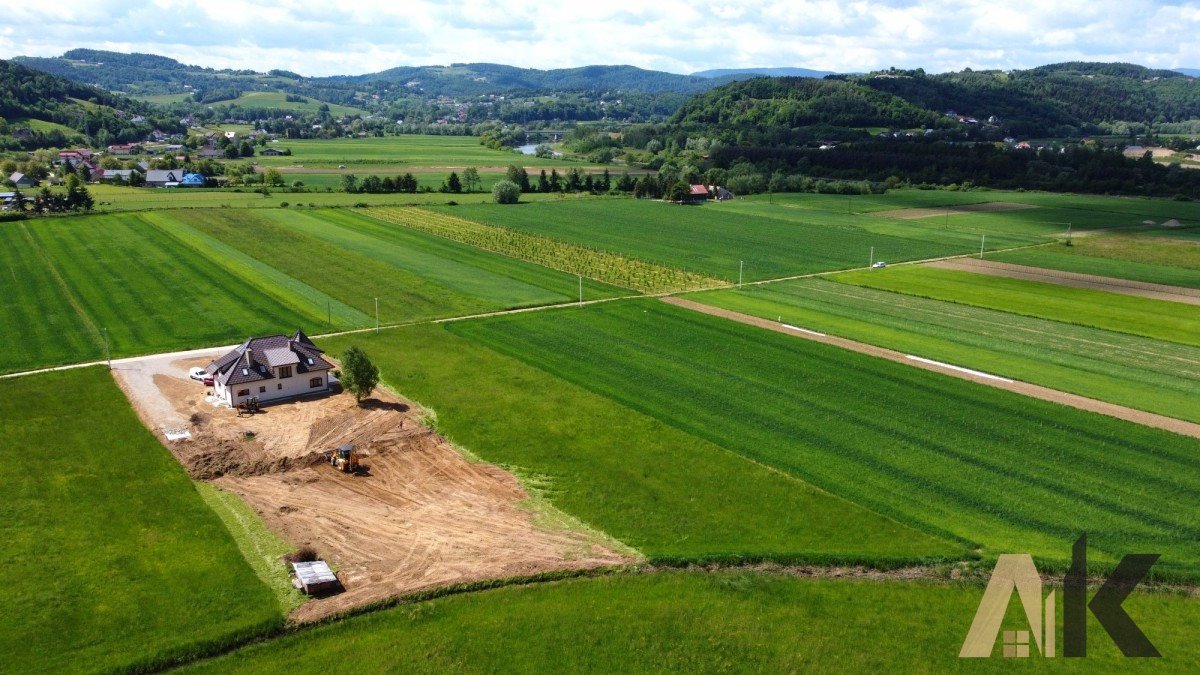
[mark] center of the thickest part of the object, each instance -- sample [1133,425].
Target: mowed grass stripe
[319,308]
[42,325]
[499,281]
[113,559]
[1152,375]
[667,493]
[147,289]
[987,466]
[1159,319]
[601,265]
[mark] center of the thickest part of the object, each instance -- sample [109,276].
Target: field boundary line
[1121,412]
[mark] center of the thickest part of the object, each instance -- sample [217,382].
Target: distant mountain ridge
[763,72]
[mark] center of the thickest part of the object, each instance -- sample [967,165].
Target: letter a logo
[1013,572]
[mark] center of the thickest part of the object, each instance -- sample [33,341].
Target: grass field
[952,457]
[1139,372]
[572,258]
[177,279]
[277,100]
[1063,258]
[695,622]
[667,493]
[402,152]
[772,241]
[1159,319]
[113,558]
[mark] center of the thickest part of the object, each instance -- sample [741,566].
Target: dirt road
[1032,390]
[421,516]
[1142,289]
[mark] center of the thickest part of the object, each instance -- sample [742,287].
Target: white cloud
[321,37]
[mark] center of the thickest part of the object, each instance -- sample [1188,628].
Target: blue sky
[324,37]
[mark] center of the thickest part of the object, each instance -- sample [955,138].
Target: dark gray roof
[164,175]
[253,360]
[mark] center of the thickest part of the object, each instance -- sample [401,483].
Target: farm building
[271,152]
[270,368]
[110,175]
[210,152]
[697,193]
[124,149]
[21,180]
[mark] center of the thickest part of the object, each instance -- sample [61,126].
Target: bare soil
[421,515]
[1142,289]
[1032,390]
[986,207]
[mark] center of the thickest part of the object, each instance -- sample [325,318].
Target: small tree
[359,375]
[470,179]
[506,192]
[273,178]
[349,182]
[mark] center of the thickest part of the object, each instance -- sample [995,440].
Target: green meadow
[114,560]
[1161,377]
[956,459]
[401,152]
[178,279]
[1158,319]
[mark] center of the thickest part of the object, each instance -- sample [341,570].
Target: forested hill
[1067,99]
[148,74]
[39,109]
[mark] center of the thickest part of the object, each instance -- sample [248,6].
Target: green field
[955,458]
[1063,258]
[669,494]
[113,559]
[402,152]
[771,241]
[1159,319]
[177,279]
[696,622]
[277,100]
[1153,375]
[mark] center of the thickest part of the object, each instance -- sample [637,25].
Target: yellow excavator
[345,459]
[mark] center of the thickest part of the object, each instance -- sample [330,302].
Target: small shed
[315,577]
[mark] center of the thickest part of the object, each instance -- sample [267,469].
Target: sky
[324,37]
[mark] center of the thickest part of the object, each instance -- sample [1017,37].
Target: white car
[198,374]
[879,265]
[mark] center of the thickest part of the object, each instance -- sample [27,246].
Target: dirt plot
[1143,289]
[421,516]
[986,207]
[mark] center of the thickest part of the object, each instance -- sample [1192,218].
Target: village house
[112,175]
[271,152]
[270,368]
[210,152]
[21,180]
[173,178]
[124,149]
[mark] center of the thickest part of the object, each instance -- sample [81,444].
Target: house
[21,180]
[271,152]
[164,177]
[719,193]
[270,368]
[210,151]
[110,175]
[697,193]
[124,149]
[192,180]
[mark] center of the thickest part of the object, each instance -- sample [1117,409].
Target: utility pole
[849,200]
[947,216]
[740,264]
[872,263]
[581,290]
[329,315]
[1068,234]
[982,240]
[107,352]
[376,315]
